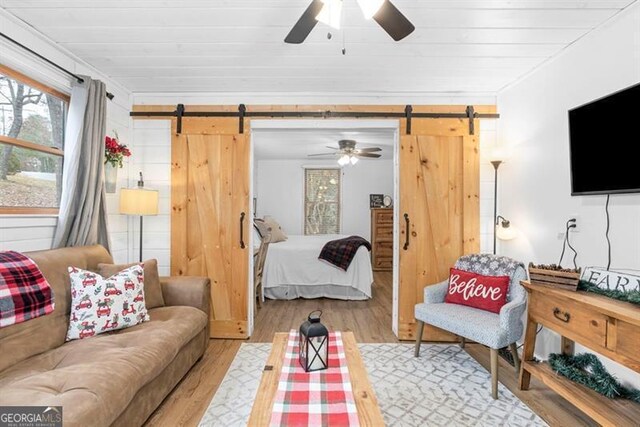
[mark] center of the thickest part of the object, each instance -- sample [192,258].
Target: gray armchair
[493,330]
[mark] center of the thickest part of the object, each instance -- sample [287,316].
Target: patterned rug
[443,387]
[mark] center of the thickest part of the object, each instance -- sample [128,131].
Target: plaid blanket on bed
[24,292]
[320,398]
[342,251]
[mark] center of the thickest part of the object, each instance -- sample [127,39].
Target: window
[32,122]
[322,201]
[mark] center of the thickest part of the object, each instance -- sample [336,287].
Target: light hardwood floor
[370,321]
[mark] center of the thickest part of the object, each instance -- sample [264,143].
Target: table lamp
[139,201]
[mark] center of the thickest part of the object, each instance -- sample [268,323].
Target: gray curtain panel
[83,212]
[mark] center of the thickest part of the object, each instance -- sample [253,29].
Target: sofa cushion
[152,290]
[96,378]
[100,305]
[23,340]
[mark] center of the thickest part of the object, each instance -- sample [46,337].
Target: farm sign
[611,280]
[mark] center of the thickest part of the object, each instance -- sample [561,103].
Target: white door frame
[350,124]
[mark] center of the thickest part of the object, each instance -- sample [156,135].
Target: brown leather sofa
[118,378]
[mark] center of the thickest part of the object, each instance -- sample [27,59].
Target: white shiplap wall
[536,191]
[488,140]
[152,156]
[35,232]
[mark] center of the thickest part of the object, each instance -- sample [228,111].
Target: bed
[292,270]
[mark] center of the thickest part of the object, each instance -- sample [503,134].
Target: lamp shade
[506,231]
[138,201]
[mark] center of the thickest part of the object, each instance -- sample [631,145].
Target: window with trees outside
[32,123]
[322,201]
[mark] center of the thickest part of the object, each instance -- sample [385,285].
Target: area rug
[443,387]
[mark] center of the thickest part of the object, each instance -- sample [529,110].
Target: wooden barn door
[439,208]
[210,219]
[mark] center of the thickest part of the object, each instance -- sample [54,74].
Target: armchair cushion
[474,324]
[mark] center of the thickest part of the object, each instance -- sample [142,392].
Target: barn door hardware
[471,115]
[242,113]
[408,110]
[179,115]
[242,109]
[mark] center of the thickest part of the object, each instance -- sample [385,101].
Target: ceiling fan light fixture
[343,160]
[331,13]
[354,160]
[370,7]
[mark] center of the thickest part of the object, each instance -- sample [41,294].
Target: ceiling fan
[330,12]
[348,152]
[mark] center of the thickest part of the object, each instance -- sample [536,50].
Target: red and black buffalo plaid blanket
[342,251]
[24,292]
[319,398]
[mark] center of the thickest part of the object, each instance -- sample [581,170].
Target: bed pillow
[475,290]
[101,304]
[277,234]
[152,289]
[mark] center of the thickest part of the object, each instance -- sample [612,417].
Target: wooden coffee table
[366,403]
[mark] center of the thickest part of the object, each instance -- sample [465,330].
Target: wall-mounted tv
[601,135]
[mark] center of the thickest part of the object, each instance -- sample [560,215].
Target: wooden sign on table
[611,280]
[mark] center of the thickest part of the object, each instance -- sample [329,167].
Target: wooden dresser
[604,325]
[382,239]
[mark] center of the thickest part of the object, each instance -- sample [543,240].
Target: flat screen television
[601,134]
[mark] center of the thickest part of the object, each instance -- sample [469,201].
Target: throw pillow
[277,234]
[152,288]
[101,304]
[475,290]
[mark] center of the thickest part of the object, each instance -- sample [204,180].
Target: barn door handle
[242,245]
[406,241]
[561,315]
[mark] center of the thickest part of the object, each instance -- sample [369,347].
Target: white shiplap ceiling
[459,46]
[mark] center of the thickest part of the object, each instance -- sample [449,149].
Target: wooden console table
[604,325]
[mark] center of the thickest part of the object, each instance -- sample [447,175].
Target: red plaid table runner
[320,398]
[24,292]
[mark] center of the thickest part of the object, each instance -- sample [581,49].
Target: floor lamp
[496,164]
[139,201]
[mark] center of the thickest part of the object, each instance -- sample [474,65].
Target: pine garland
[586,369]
[632,296]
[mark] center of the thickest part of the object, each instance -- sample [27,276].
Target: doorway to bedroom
[324,235]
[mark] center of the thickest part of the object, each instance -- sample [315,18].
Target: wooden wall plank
[179,196]
[240,204]
[471,196]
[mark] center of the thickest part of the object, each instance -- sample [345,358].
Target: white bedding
[292,270]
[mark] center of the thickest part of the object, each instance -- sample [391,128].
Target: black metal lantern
[314,343]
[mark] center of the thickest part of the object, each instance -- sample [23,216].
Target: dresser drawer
[628,340]
[383,249]
[383,263]
[384,217]
[570,319]
[384,232]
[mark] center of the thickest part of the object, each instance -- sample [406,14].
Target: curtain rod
[48,61]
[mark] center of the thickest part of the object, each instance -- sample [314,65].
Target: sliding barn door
[210,218]
[439,212]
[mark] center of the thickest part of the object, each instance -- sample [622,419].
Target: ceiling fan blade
[321,154]
[332,148]
[393,21]
[368,155]
[369,150]
[305,24]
